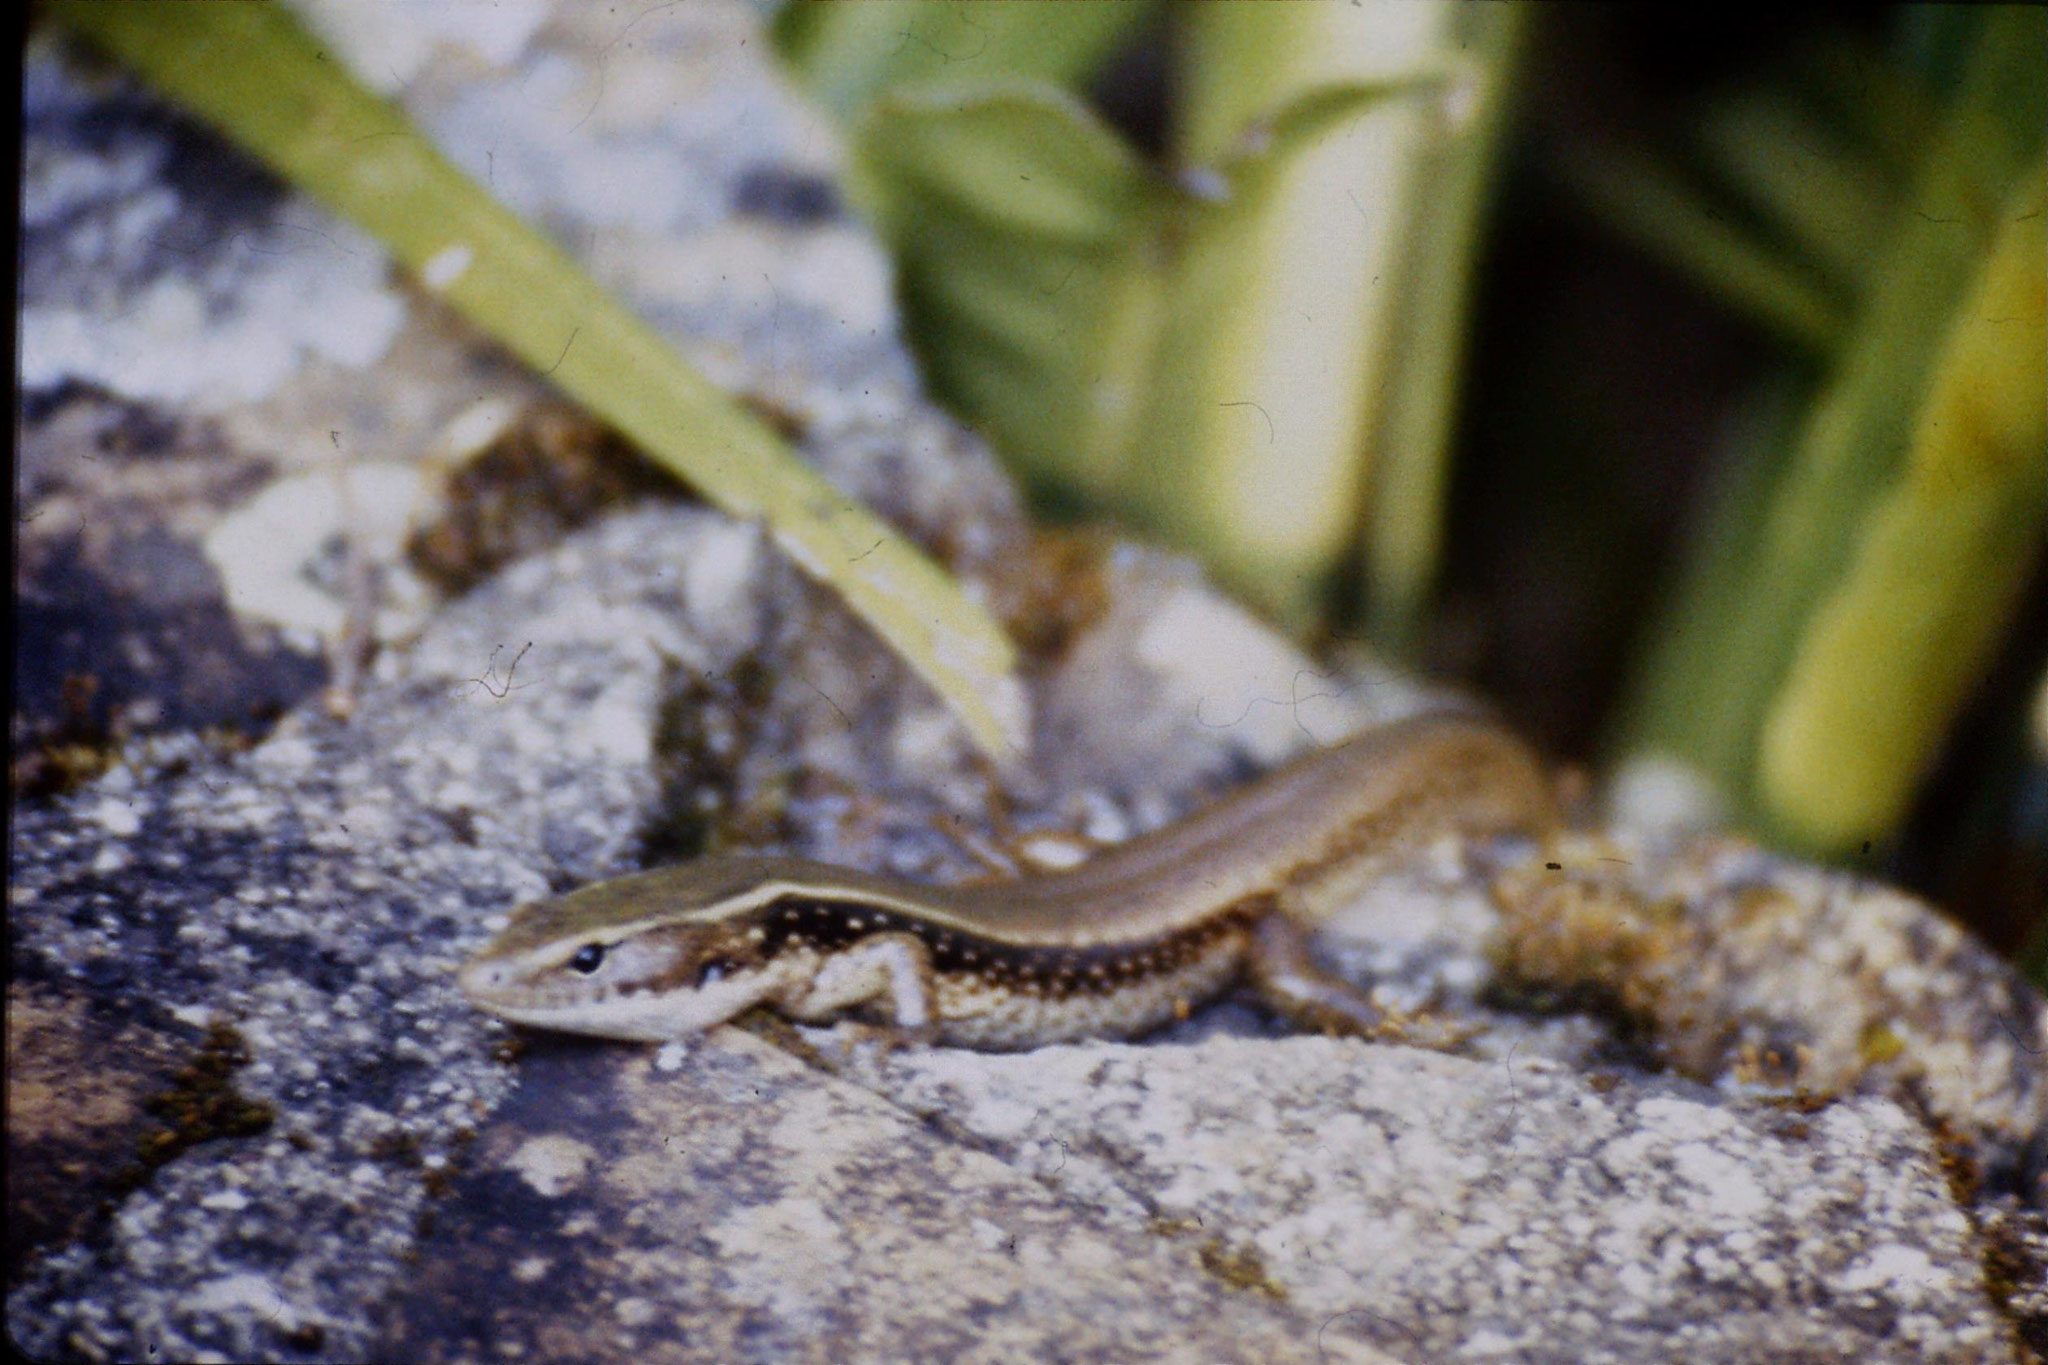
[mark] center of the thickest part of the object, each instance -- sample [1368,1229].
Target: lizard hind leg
[1285,975]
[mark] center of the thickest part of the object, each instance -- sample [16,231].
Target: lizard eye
[588,958]
[713,971]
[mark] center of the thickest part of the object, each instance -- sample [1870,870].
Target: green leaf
[250,70]
[1754,675]
[1643,199]
[1697,688]
[1018,224]
[1825,197]
[848,54]
[1938,568]
[1264,145]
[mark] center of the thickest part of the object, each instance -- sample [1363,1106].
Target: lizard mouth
[636,1011]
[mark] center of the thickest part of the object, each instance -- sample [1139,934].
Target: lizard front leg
[893,969]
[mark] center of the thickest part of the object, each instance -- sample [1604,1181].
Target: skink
[1114,947]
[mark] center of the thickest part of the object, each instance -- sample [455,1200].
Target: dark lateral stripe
[831,924]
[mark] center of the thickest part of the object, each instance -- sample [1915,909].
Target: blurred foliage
[1854,583]
[1938,562]
[1215,347]
[849,54]
[250,70]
